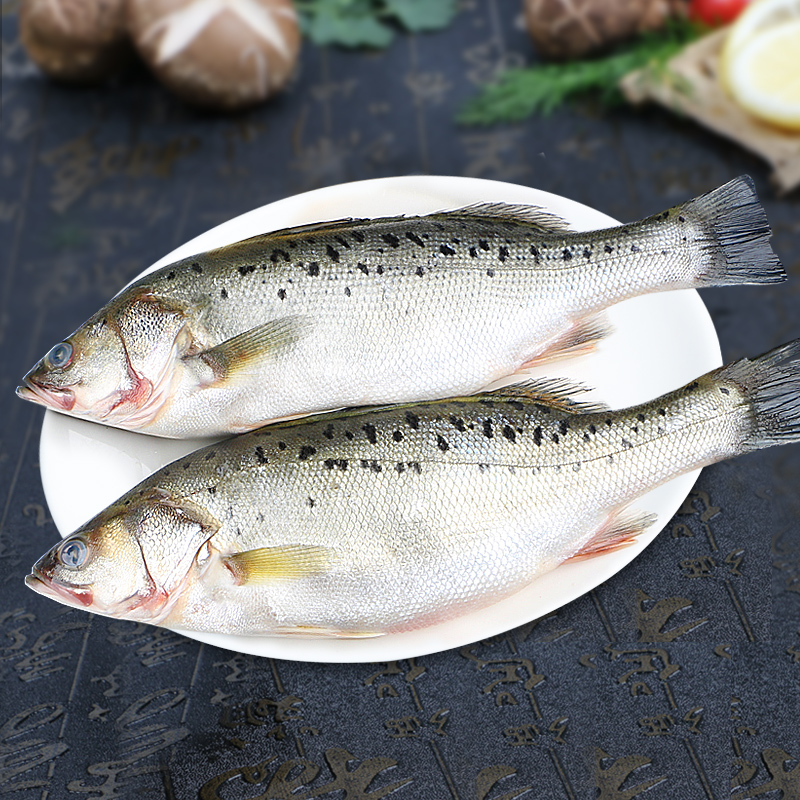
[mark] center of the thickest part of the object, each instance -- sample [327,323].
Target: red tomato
[715,12]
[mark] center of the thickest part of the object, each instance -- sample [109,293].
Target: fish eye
[60,356]
[72,554]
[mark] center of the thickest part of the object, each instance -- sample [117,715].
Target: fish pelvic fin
[771,384]
[581,339]
[239,356]
[736,236]
[268,564]
[619,530]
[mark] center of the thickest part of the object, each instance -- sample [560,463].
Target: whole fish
[366,312]
[370,522]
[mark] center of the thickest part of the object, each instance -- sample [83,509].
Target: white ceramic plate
[659,343]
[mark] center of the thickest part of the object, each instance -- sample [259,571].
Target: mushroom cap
[80,41]
[221,54]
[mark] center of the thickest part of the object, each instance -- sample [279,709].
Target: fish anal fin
[287,562]
[237,356]
[619,530]
[557,393]
[321,632]
[581,339]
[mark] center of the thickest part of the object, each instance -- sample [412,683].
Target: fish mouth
[59,399]
[63,594]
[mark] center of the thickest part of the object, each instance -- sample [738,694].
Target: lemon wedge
[760,61]
[763,74]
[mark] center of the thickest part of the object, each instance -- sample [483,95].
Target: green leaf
[422,15]
[349,27]
[519,93]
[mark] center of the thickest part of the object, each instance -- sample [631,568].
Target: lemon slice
[763,73]
[759,16]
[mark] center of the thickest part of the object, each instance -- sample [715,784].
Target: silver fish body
[372,522]
[366,312]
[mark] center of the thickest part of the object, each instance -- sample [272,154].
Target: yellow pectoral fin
[268,564]
[240,356]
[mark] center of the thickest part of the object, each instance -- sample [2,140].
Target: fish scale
[366,312]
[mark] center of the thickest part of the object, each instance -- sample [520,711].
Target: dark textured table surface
[678,678]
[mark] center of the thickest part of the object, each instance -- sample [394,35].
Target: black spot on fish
[412,420]
[586,437]
[724,390]
[223,293]
[414,238]
[487,428]
[281,294]
[187,465]
[419,271]
[609,422]
[692,386]
[342,241]
[626,444]
[347,291]
[379,269]
[372,437]
[363,267]
[390,239]
[483,467]
[313,269]
[281,445]
[333,254]
[537,435]
[306,451]
[374,466]
[634,249]
[397,436]
[328,432]
[342,463]
[535,252]
[165,471]
[502,253]
[509,433]
[563,426]
[592,429]
[414,465]
[212,489]
[490,273]
[364,463]
[640,417]
[246,269]
[635,429]
[608,248]
[662,412]
[681,219]
[171,275]
[458,424]
[611,459]
[442,443]
[197,268]
[329,463]
[400,467]
[261,456]
[566,254]
[310,502]
[210,455]
[446,250]
[358,236]
[587,253]
[555,439]
[483,244]
[473,252]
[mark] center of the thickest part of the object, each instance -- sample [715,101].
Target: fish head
[85,375]
[128,562]
[117,368]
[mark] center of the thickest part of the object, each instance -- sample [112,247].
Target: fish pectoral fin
[581,339]
[558,393]
[319,632]
[619,530]
[532,216]
[268,564]
[236,357]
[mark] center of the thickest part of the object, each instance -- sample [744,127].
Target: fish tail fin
[771,383]
[737,233]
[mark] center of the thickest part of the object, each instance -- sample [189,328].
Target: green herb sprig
[370,23]
[520,93]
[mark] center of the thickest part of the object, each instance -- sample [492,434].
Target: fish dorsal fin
[532,216]
[238,355]
[287,562]
[554,392]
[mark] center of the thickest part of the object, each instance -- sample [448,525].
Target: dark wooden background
[679,678]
